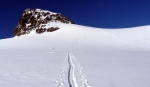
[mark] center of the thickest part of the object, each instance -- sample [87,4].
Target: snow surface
[77,56]
[39,10]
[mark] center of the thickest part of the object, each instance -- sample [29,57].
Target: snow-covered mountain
[77,56]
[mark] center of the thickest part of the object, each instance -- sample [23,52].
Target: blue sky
[95,13]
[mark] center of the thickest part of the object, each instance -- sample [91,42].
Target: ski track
[71,76]
[84,81]
[68,73]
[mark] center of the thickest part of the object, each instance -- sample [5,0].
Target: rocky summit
[37,19]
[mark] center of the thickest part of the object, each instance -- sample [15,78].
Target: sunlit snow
[77,56]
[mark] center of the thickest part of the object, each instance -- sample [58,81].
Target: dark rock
[51,29]
[36,19]
[39,31]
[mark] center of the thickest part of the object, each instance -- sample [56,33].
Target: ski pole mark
[61,81]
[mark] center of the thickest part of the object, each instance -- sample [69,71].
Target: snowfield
[77,56]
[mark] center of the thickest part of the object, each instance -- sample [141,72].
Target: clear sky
[95,13]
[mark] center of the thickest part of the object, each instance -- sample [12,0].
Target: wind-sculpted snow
[97,58]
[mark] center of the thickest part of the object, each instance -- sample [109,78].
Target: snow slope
[77,56]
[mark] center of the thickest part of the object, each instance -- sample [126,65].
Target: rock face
[36,19]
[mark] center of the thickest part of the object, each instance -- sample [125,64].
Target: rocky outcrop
[37,19]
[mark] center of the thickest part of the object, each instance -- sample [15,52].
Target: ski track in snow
[68,73]
[71,76]
[84,81]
